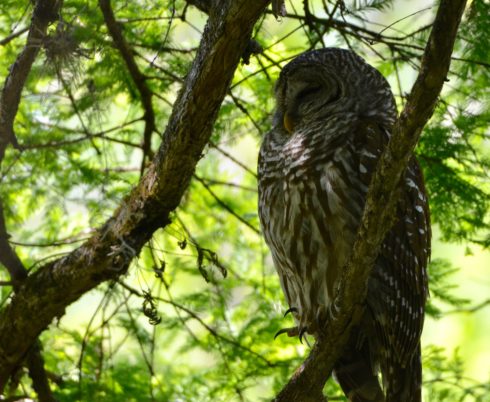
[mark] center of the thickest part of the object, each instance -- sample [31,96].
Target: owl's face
[321,83]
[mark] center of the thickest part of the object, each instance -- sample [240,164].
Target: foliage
[196,316]
[445,379]
[442,288]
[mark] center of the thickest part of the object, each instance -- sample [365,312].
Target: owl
[334,116]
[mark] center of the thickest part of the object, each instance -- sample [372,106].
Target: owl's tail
[356,376]
[405,384]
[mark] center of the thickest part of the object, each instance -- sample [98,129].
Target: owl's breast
[310,225]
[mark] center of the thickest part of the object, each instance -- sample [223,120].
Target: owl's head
[321,83]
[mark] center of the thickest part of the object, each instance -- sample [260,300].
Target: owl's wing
[398,287]
[402,266]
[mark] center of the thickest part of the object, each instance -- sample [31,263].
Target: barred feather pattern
[333,119]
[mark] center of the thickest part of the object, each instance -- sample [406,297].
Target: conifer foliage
[131,261]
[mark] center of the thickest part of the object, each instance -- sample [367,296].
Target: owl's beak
[288,123]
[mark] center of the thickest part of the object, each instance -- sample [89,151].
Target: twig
[223,270]
[213,182]
[77,111]
[473,309]
[238,103]
[192,314]
[232,158]
[12,36]
[225,205]
[160,276]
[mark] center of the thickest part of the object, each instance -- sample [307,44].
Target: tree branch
[225,206]
[8,257]
[138,77]
[18,273]
[38,374]
[12,36]
[203,5]
[108,253]
[45,12]
[308,381]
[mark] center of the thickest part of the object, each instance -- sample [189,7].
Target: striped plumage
[333,119]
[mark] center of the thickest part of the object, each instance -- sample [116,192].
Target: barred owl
[332,121]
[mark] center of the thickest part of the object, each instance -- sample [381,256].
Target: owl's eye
[306,92]
[330,93]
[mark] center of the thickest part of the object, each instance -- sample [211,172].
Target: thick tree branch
[138,77]
[45,12]
[308,381]
[108,253]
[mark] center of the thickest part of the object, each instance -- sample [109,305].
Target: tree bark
[308,381]
[108,253]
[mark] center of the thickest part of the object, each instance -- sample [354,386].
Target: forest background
[194,316]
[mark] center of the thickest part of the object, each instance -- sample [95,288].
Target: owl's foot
[302,332]
[291,310]
[292,331]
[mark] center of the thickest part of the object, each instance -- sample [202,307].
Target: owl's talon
[302,333]
[291,331]
[291,310]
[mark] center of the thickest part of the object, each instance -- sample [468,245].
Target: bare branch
[212,182]
[12,36]
[87,136]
